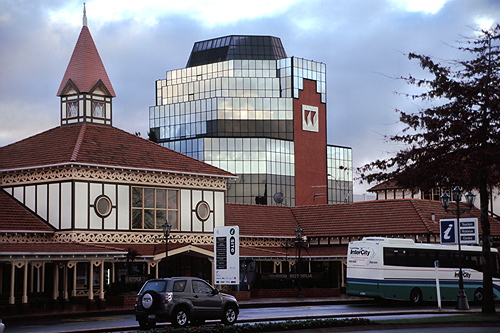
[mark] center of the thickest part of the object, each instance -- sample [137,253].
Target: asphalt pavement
[79,311]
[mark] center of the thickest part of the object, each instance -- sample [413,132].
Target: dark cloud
[363,44]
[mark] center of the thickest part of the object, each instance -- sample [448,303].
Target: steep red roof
[85,67]
[259,220]
[99,145]
[15,217]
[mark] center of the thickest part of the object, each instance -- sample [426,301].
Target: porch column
[25,284]
[37,265]
[72,264]
[12,297]
[102,300]
[156,271]
[55,294]
[91,302]
[101,282]
[65,283]
[42,281]
[113,272]
[32,272]
[91,281]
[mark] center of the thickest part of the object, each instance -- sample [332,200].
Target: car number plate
[152,316]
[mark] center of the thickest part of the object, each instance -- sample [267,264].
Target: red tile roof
[387,185]
[15,217]
[260,220]
[85,67]
[102,145]
[370,218]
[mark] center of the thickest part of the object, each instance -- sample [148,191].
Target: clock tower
[86,91]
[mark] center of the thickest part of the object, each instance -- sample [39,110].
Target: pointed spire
[84,16]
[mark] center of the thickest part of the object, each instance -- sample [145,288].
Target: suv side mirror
[215,291]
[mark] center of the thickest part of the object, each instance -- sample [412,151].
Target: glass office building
[240,105]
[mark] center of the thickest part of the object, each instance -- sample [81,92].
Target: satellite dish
[278,197]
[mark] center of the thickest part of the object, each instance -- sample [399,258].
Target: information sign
[227,255]
[467,231]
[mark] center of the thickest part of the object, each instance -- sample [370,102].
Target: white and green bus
[401,269]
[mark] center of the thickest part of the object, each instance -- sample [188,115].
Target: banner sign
[227,255]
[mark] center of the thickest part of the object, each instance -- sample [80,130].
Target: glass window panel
[149,216]
[173,218]
[172,199]
[161,218]
[161,199]
[136,218]
[136,197]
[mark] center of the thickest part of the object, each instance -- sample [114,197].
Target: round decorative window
[102,206]
[203,210]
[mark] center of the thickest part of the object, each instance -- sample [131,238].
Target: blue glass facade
[232,107]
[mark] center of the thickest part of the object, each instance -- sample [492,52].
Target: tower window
[98,109]
[72,109]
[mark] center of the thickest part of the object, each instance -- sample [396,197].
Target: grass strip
[465,318]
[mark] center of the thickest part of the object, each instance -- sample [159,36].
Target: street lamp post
[462,303]
[166,232]
[298,241]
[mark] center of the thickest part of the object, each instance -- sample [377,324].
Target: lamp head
[470,198]
[298,233]
[445,200]
[457,194]
[166,229]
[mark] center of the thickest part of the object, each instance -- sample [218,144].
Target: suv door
[206,300]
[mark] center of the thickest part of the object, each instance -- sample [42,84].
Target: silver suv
[180,300]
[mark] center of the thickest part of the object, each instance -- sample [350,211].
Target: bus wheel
[415,296]
[478,296]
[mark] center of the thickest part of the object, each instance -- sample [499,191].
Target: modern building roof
[99,145]
[16,218]
[236,47]
[85,68]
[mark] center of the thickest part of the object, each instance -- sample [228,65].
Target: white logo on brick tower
[310,118]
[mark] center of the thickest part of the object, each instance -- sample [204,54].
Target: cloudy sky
[363,43]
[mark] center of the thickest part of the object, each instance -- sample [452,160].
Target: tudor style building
[80,201]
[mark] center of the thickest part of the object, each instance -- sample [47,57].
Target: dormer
[86,91]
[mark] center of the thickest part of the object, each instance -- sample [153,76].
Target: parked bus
[401,269]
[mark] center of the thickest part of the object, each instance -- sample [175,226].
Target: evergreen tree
[456,141]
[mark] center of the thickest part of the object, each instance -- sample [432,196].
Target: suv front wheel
[230,315]
[180,318]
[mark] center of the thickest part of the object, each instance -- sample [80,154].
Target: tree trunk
[488,300]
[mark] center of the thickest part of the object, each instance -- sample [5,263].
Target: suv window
[180,285]
[158,286]
[201,287]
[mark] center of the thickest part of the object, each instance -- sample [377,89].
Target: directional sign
[227,255]
[467,231]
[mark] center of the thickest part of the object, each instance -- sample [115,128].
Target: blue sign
[448,231]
